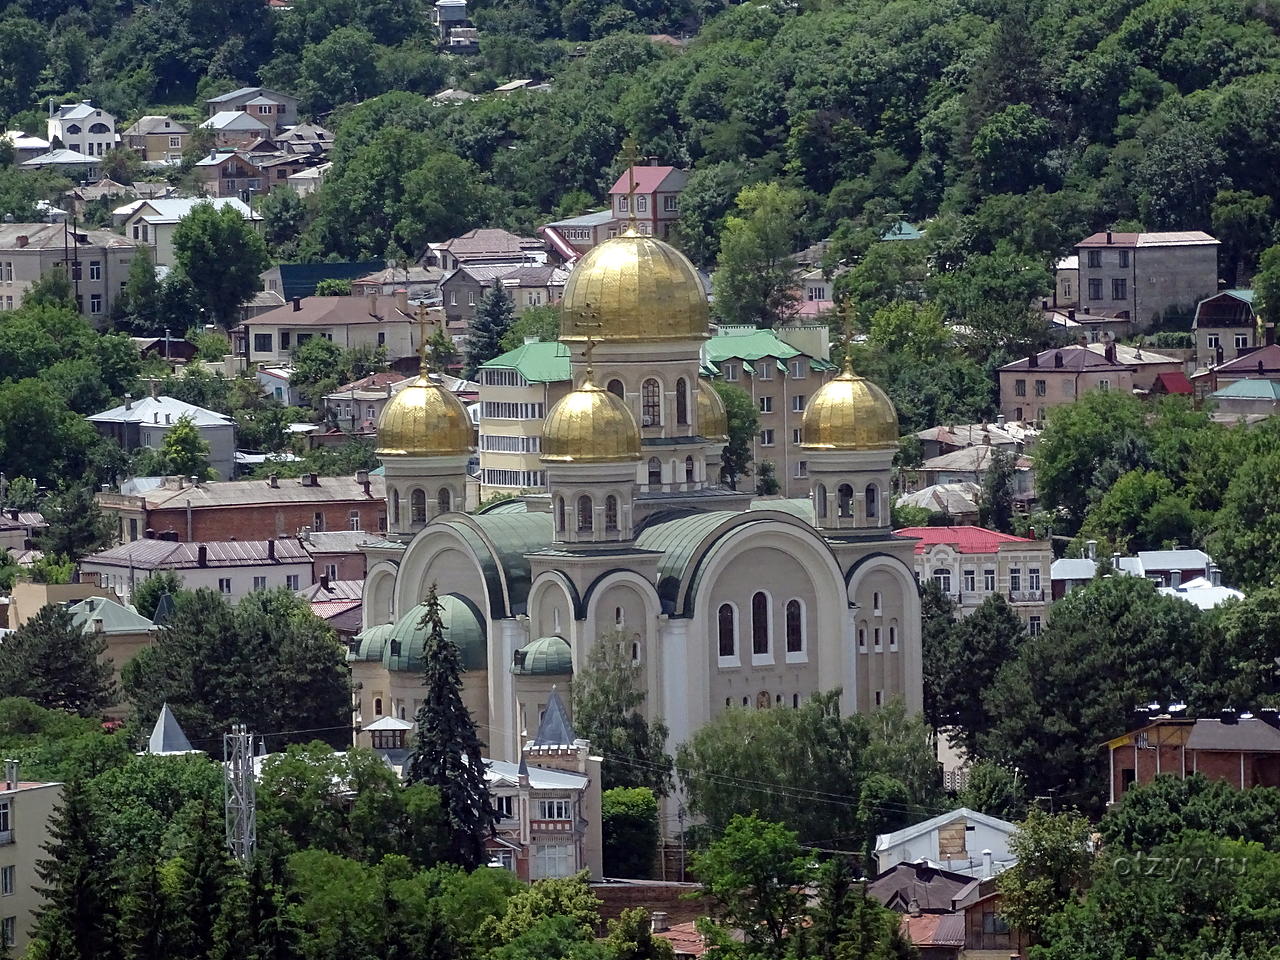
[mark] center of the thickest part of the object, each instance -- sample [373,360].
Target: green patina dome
[544,657]
[399,645]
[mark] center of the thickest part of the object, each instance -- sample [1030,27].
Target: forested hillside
[1016,125]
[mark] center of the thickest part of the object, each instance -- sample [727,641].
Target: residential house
[1001,435]
[1148,365]
[337,555]
[96,262]
[275,110]
[125,631]
[338,603]
[935,936]
[1170,569]
[158,139]
[1203,593]
[307,139]
[917,888]
[962,841]
[814,289]
[235,130]
[75,166]
[959,501]
[984,927]
[970,465]
[260,303]
[534,286]
[1034,385]
[1226,328]
[309,180]
[230,173]
[516,390]
[106,188]
[485,247]
[1262,363]
[295,280]
[571,237]
[1147,276]
[174,507]
[348,322]
[461,291]
[1239,749]
[144,423]
[27,599]
[26,807]
[448,14]
[154,222]
[946,919]
[969,564]
[1066,282]
[25,146]
[1248,398]
[420,283]
[359,404]
[780,379]
[278,167]
[233,568]
[656,205]
[19,528]
[1088,324]
[84,128]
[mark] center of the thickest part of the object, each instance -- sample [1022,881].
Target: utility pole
[238,792]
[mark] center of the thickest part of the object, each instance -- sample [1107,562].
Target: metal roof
[544,657]
[114,617]
[463,627]
[963,539]
[162,412]
[554,730]
[172,555]
[677,536]
[752,346]
[1250,389]
[539,362]
[1247,734]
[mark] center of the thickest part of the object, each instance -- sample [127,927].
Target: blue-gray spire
[555,730]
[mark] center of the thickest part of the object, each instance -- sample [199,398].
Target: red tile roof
[1175,382]
[685,939]
[648,179]
[963,539]
[934,930]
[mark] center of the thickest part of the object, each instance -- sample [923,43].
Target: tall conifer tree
[447,753]
[492,320]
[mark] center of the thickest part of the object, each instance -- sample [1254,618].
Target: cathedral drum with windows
[723,600]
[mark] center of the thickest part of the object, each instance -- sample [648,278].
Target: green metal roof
[540,362]
[544,657]
[404,642]
[1245,295]
[511,505]
[677,539]
[115,617]
[801,507]
[500,542]
[749,346]
[372,643]
[902,231]
[1250,390]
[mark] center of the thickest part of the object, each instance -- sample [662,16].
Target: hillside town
[638,482]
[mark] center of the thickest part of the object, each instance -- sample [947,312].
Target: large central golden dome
[590,425]
[850,413]
[634,287]
[713,418]
[424,420]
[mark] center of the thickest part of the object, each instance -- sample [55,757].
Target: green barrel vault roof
[544,657]
[371,643]
[501,542]
[540,362]
[677,537]
[462,626]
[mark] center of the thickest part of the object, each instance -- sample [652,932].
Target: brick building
[1239,749]
[248,509]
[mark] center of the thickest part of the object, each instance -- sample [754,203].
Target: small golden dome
[424,419]
[713,418]
[850,413]
[634,287]
[590,425]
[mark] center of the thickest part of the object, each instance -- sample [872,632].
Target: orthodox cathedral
[723,600]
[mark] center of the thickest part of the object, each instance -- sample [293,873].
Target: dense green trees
[629,826]
[53,661]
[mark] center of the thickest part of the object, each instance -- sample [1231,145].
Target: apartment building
[25,810]
[516,391]
[780,377]
[144,423]
[96,261]
[1143,276]
[970,564]
[84,128]
[1035,384]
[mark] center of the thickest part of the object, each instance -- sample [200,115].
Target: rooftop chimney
[128,401]
[913,907]
[22,240]
[297,304]
[986,863]
[1215,574]
[658,922]
[1091,549]
[373,304]
[1175,578]
[324,581]
[11,775]
[1000,420]
[1071,314]
[202,555]
[1033,360]
[402,300]
[273,480]
[1110,351]
[271,549]
[1057,358]
[1108,238]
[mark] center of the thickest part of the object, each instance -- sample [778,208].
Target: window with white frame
[862,638]
[802,469]
[760,626]
[989,580]
[797,435]
[642,204]
[893,637]
[729,371]
[224,584]
[943,579]
[504,807]
[552,860]
[970,580]
[353,520]
[1015,579]
[797,403]
[6,822]
[291,581]
[9,930]
[555,809]
[95,269]
[877,640]
[1242,341]
[1213,341]
[727,634]
[669,203]
[799,369]
[6,271]
[95,303]
[1033,579]
[766,438]
[331,571]
[259,583]
[175,143]
[6,881]
[1033,626]
[766,404]
[764,369]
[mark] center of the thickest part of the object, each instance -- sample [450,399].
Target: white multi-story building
[84,128]
[25,809]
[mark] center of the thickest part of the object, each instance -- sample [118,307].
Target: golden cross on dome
[423,316]
[845,313]
[589,350]
[631,154]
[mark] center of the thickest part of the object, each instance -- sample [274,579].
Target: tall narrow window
[615,387]
[655,472]
[584,514]
[682,401]
[688,469]
[760,623]
[871,504]
[560,513]
[651,404]
[820,500]
[845,493]
[611,513]
[444,499]
[419,506]
[394,496]
[795,627]
[724,619]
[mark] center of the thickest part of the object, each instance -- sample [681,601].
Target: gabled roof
[902,231]
[1173,382]
[959,497]
[333,312]
[156,124]
[650,180]
[1268,356]
[301,279]
[1247,733]
[1074,359]
[114,617]
[885,841]
[25,141]
[335,590]
[939,930]
[749,346]
[970,459]
[1132,356]
[61,158]
[165,210]
[167,736]
[247,91]
[173,555]
[932,888]
[597,219]
[538,362]
[160,411]
[965,539]
[1171,238]
[555,730]
[235,120]
[1250,389]
[78,111]
[488,241]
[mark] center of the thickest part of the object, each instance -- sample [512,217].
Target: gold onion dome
[713,418]
[850,413]
[424,419]
[590,425]
[634,287]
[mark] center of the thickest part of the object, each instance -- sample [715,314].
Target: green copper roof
[406,639]
[1250,390]
[902,231]
[540,362]
[801,507]
[1245,295]
[544,657]
[500,542]
[115,617]
[678,538]
[372,643]
[748,347]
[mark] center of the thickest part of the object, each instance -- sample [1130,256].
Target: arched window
[617,389]
[402,711]
[418,501]
[893,637]
[73,128]
[619,618]
[760,623]
[845,496]
[682,401]
[585,514]
[394,496]
[688,469]
[943,579]
[862,638]
[650,404]
[611,513]
[444,499]
[377,706]
[795,627]
[560,513]
[795,700]
[875,603]
[872,506]
[655,472]
[820,500]
[727,631]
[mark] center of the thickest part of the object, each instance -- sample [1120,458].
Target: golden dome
[713,418]
[634,287]
[590,425]
[424,419]
[850,413]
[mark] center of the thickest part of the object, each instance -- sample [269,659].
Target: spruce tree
[55,662]
[272,931]
[493,318]
[145,928]
[205,876]
[447,753]
[78,918]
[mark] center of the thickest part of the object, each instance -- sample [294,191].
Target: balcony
[1025,596]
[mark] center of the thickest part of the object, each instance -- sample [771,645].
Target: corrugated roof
[160,411]
[115,617]
[234,120]
[935,930]
[597,219]
[540,362]
[1249,734]
[489,241]
[964,539]
[173,209]
[171,555]
[1074,359]
[53,236]
[970,459]
[336,590]
[1250,389]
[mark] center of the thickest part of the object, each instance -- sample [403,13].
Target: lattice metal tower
[238,792]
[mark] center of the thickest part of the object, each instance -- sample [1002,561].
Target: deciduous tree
[221,254]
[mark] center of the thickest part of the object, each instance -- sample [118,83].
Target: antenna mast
[238,792]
